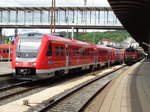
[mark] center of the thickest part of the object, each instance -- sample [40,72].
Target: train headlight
[17,63]
[33,63]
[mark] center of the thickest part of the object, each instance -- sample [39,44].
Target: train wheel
[59,74]
[98,66]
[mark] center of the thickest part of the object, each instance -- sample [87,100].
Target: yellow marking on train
[57,42]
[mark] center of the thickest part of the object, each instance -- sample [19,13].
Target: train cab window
[56,51]
[49,52]
[62,51]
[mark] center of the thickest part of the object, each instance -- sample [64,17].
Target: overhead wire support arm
[148,45]
[53,21]
[85,2]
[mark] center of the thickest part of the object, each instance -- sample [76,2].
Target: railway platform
[127,93]
[5,68]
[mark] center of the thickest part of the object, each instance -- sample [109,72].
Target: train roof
[53,37]
[66,40]
[102,46]
[59,38]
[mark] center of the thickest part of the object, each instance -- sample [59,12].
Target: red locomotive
[40,55]
[132,56]
[5,52]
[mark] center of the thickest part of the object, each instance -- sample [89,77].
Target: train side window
[7,50]
[88,53]
[56,51]
[74,51]
[62,51]
[85,52]
[4,51]
[49,51]
[99,52]
[81,52]
[77,52]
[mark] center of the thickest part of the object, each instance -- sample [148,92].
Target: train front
[25,54]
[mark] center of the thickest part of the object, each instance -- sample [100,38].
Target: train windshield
[29,43]
[28,46]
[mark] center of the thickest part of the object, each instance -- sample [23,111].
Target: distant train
[38,56]
[5,52]
[132,56]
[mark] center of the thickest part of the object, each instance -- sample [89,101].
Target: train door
[67,59]
[67,56]
[95,56]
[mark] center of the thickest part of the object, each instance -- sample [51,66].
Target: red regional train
[5,52]
[38,56]
[132,56]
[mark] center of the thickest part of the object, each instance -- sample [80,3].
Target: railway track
[18,90]
[8,82]
[6,75]
[71,100]
[9,91]
[15,91]
[12,86]
[7,79]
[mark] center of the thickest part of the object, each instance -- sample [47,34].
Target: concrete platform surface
[130,92]
[5,68]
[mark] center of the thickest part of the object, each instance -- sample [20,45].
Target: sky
[47,3]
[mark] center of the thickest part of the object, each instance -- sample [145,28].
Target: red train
[38,55]
[5,52]
[132,56]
